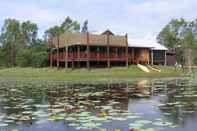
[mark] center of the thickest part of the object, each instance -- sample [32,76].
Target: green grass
[78,75]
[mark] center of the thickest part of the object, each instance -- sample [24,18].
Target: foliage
[85,26]
[29,31]
[2,58]
[39,59]
[20,45]
[169,34]
[10,39]
[24,57]
[68,25]
[180,35]
[36,56]
[189,42]
[54,31]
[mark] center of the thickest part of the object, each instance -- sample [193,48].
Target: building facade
[75,50]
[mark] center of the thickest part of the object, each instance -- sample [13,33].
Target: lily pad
[3,124]
[162,123]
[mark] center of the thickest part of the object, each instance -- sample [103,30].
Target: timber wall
[81,39]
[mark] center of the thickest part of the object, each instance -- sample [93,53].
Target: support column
[116,48]
[72,64]
[58,54]
[66,57]
[88,52]
[73,58]
[126,51]
[108,51]
[165,59]
[51,58]
[152,57]
[51,51]
[133,57]
[78,52]
[78,56]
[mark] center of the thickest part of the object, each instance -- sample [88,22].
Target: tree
[188,44]
[40,59]
[180,35]
[24,57]
[29,32]
[20,46]
[10,39]
[70,26]
[169,34]
[85,26]
[54,32]
[19,43]
[34,56]
[2,57]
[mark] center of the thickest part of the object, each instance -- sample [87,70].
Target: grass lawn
[77,75]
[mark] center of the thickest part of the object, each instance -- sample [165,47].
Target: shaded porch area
[78,56]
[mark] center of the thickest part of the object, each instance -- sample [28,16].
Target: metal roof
[146,44]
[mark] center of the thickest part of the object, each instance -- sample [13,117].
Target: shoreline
[84,75]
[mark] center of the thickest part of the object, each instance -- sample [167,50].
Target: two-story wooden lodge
[93,50]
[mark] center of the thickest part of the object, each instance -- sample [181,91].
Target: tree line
[20,45]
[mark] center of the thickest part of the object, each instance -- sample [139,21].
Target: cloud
[31,11]
[135,17]
[152,15]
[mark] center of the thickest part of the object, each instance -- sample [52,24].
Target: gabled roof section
[107,32]
[140,43]
[158,46]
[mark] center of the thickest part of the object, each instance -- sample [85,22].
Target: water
[144,105]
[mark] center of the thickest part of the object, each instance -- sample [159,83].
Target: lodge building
[76,50]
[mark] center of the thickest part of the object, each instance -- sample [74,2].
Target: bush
[34,57]
[40,59]
[3,58]
[24,57]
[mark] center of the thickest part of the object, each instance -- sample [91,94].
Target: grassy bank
[119,73]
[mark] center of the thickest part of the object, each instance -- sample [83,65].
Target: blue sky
[138,18]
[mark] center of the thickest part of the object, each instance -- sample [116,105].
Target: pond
[144,105]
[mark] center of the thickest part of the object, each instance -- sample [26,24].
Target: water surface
[144,105]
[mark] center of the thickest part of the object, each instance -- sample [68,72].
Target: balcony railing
[92,56]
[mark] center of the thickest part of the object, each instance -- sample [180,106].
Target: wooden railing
[83,56]
[115,56]
[98,56]
[82,38]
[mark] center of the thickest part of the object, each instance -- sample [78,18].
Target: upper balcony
[68,39]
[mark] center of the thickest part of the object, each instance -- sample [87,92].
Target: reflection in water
[151,105]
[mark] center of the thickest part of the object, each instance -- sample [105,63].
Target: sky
[138,18]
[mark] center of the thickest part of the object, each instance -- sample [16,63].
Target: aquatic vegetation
[94,107]
[3,124]
[56,117]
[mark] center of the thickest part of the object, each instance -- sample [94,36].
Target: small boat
[143,68]
[154,68]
